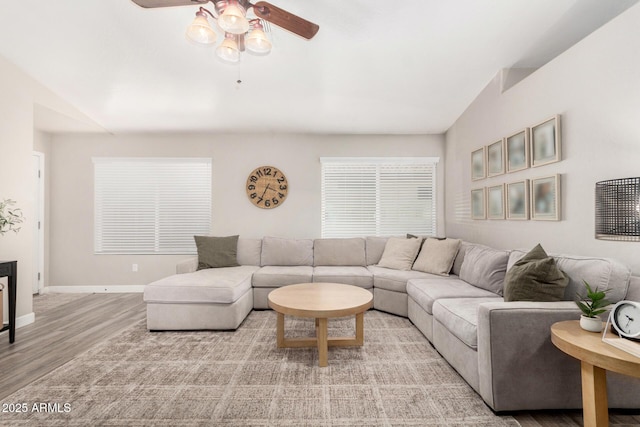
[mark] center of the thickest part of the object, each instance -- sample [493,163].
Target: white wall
[72,262]
[595,86]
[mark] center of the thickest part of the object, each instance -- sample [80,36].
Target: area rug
[240,378]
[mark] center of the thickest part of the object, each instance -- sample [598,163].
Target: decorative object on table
[267,187]
[517,148]
[617,216]
[478,170]
[478,209]
[545,198]
[592,305]
[495,202]
[545,142]
[495,158]
[625,323]
[518,200]
[10,217]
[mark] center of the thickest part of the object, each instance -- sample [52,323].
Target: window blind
[151,205]
[378,196]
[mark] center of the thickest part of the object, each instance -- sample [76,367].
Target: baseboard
[25,320]
[125,289]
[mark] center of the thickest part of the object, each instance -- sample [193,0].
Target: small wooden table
[596,358]
[320,301]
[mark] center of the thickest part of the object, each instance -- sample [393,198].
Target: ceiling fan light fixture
[228,50]
[233,20]
[200,31]
[256,41]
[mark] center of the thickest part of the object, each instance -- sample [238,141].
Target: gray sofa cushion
[213,285]
[460,317]
[279,251]
[349,275]
[400,253]
[374,247]
[535,277]
[603,273]
[425,292]
[339,252]
[485,268]
[457,263]
[217,252]
[395,280]
[436,256]
[274,276]
[249,251]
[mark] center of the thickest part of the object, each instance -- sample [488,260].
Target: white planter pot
[591,324]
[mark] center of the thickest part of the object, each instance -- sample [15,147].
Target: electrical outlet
[134,267]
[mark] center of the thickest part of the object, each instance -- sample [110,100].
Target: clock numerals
[267,187]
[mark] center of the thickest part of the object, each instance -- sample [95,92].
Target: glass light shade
[233,20]
[257,42]
[228,51]
[200,31]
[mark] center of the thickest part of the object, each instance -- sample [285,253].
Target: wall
[595,86]
[72,261]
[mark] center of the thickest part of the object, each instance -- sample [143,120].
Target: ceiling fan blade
[167,3]
[286,20]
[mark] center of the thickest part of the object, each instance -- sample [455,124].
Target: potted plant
[9,217]
[591,305]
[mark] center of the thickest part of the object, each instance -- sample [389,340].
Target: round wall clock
[267,187]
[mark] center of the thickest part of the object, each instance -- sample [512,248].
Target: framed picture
[478,210]
[517,147]
[518,200]
[545,142]
[495,158]
[545,198]
[495,202]
[477,164]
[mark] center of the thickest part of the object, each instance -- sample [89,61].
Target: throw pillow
[437,256]
[399,253]
[485,267]
[215,252]
[535,277]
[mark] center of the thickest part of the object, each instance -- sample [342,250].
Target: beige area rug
[240,378]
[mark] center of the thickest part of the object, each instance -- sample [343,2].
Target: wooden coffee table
[321,301]
[596,358]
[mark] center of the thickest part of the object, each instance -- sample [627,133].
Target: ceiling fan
[261,9]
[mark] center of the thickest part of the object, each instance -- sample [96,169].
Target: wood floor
[70,325]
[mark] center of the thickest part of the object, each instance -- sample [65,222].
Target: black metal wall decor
[618,209]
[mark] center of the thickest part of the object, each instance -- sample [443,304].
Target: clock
[625,319]
[267,187]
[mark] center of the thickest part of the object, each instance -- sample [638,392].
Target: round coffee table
[320,301]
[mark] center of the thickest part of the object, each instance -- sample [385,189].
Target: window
[151,205]
[378,196]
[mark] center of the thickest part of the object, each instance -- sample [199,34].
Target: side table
[9,269]
[596,358]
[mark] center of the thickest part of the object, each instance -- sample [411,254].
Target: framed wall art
[518,200]
[517,148]
[477,164]
[478,210]
[495,202]
[545,198]
[545,142]
[495,158]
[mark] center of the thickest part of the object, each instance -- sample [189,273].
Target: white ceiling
[375,66]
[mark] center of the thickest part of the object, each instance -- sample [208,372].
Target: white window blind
[378,196]
[151,205]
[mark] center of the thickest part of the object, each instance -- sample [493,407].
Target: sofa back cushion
[249,251]
[374,247]
[457,263]
[279,251]
[485,267]
[600,273]
[341,252]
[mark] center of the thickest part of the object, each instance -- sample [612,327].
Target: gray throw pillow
[437,256]
[215,252]
[535,277]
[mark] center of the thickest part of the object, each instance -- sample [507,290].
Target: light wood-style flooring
[67,325]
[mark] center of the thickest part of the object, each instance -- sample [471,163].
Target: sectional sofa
[502,349]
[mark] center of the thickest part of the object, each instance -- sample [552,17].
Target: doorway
[38,223]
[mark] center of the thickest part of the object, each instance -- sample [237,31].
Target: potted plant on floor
[592,305]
